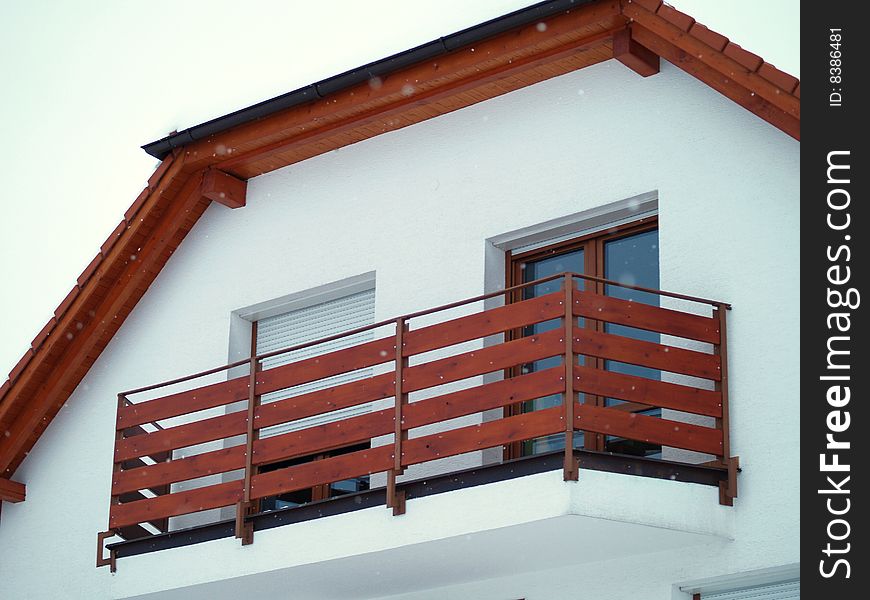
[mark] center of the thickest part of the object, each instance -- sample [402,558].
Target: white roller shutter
[309,324]
[789,590]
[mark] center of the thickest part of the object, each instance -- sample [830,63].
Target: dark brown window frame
[593,259]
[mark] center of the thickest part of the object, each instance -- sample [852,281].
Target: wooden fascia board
[462,64]
[388,117]
[70,313]
[89,340]
[11,491]
[781,99]
[718,81]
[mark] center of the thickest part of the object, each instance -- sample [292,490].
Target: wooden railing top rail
[405,318]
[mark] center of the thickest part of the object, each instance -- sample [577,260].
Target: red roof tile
[780,79]
[650,5]
[113,237]
[43,333]
[89,270]
[16,370]
[137,204]
[675,17]
[66,302]
[744,57]
[159,171]
[708,36]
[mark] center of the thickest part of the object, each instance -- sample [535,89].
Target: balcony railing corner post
[571,467]
[727,488]
[244,530]
[102,561]
[114,499]
[396,497]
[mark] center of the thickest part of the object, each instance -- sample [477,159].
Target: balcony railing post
[116,468]
[119,435]
[395,497]
[727,489]
[572,469]
[245,529]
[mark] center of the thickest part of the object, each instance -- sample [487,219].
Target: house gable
[174,199]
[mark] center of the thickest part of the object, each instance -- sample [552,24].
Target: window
[299,326]
[625,254]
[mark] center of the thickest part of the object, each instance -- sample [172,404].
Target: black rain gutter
[380,68]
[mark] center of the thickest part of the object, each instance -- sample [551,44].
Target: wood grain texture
[649,392]
[645,316]
[646,354]
[644,428]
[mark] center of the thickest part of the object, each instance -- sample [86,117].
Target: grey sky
[85,83]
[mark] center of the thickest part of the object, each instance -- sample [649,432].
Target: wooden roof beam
[717,61]
[174,223]
[224,188]
[11,491]
[723,84]
[639,59]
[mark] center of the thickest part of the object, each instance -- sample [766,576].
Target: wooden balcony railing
[150,433]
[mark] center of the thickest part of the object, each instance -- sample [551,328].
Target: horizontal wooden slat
[489,322]
[323,401]
[644,316]
[364,355]
[485,360]
[647,391]
[646,354]
[486,435]
[493,358]
[181,436]
[173,505]
[337,468]
[417,414]
[182,469]
[182,403]
[484,397]
[326,436]
[644,428]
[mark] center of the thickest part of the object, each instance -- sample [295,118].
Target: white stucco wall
[416,207]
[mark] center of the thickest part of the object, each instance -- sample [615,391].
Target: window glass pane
[349,486]
[571,261]
[633,260]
